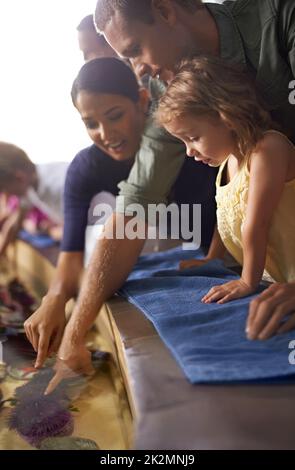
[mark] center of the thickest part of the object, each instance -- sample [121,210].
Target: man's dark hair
[87,24]
[133,9]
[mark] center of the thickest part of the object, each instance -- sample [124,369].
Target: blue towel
[207,340]
[38,241]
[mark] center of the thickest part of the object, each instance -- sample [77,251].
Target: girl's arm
[216,250]
[268,174]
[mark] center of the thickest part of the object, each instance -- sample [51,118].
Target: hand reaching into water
[72,360]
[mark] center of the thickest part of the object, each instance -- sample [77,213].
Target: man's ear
[164,10]
[144,100]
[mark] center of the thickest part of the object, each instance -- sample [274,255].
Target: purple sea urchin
[37,385]
[37,419]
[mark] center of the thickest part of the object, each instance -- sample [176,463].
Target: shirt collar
[231,45]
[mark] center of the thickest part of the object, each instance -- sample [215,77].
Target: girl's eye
[194,139]
[116,116]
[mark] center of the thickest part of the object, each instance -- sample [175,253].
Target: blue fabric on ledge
[208,341]
[38,241]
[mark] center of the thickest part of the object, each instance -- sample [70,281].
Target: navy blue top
[91,172]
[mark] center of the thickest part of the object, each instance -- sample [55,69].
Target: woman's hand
[72,360]
[268,311]
[229,291]
[44,329]
[193,263]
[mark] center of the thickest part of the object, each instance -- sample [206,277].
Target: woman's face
[114,123]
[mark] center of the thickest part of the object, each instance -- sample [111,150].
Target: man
[154,35]
[91,43]
[258,35]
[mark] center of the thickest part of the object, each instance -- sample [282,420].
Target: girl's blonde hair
[12,158]
[210,86]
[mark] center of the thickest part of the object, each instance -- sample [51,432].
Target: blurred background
[39,59]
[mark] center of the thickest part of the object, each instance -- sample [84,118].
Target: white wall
[39,58]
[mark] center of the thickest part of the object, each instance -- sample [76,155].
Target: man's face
[92,48]
[153,49]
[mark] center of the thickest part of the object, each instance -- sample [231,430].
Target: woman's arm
[45,327]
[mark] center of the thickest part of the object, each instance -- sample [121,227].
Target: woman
[113,109]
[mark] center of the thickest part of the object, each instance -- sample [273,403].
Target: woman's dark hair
[106,75]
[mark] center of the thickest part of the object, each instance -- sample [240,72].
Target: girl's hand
[229,291]
[72,360]
[193,263]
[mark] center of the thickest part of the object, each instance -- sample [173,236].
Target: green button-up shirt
[257,33]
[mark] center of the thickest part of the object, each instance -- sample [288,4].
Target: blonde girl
[214,109]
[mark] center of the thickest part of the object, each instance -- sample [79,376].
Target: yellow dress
[231,212]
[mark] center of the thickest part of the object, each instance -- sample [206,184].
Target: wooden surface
[170,413]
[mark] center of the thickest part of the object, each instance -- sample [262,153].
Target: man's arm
[272,312]
[288,30]
[111,262]
[156,168]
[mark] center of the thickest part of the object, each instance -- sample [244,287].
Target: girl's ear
[226,122]
[144,100]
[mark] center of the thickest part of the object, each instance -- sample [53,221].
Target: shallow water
[101,406]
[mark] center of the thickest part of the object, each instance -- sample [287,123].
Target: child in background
[30,195]
[214,109]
